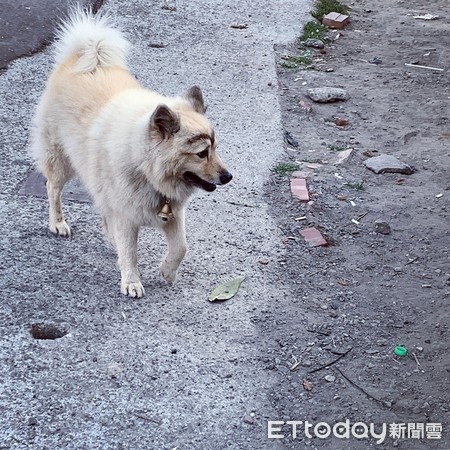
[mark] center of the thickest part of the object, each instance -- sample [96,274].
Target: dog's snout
[225,177]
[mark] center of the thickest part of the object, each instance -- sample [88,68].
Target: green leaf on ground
[226,290]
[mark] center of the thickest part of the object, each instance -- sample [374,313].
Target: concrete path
[171,370]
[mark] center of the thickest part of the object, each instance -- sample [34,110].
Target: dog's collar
[165,212]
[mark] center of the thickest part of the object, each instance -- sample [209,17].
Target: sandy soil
[367,291]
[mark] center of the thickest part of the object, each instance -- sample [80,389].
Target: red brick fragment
[299,189]
[313,237]
[335,20]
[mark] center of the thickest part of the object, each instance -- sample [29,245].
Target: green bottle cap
[400,350]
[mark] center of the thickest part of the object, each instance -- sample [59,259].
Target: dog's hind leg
[175,233]
[58,172]
[56,167]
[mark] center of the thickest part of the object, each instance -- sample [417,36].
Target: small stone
[315,43]
[376,60]
[419,349]
[264,261]
[398,269]
[343,157]
[249,420]
[327,94]
[330,378]
[388,164]
[306,363]
[416,410]
[173,351]
[341,122]
[371,352]
[32,421]
[382,227]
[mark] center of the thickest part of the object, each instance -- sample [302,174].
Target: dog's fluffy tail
[93,39]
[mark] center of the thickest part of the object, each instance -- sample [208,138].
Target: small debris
[330,378]
[226,290]
[305,106]
[439,195]
[299,189]
[264,261]
[388,164]
[427,17]
[32,421]
[343,157]
[408,136]
[169,8]
[401,350]
[341,122]
[314,166]
[249,420]
[240,26]
[157,45]
[307,385]
[313,237]
[335,20]
[296,364]
[290,139]
[314,43]
[382,227]
[372,351]
[370,153]
[115,370]
[424,67]
[377,61]
[355,221]
[327,94]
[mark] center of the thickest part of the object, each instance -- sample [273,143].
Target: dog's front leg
[175,233]
[125,238]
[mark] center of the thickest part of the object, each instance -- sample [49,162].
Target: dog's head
[187,143]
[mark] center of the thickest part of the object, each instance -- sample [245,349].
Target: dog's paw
[132,289]
[60,228]
[167,272]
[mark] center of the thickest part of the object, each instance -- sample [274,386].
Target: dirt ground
[368,291]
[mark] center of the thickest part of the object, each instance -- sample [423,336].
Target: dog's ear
[165,122]
[195,97]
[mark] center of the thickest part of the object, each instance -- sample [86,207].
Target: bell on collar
[166,211]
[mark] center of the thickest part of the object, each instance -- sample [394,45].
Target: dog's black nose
[225,177]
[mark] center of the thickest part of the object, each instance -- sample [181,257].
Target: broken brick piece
[313,237]
[299,189]
[335,20]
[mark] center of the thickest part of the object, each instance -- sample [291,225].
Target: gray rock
[388,163]
[315,43]
[327,94]
[382,227]
[330,378]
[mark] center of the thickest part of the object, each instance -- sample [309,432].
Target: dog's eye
[203,154]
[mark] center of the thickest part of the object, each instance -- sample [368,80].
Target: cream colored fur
[132,148]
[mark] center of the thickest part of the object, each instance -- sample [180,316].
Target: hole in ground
[47,331]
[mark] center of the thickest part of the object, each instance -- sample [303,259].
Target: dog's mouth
[195,180]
